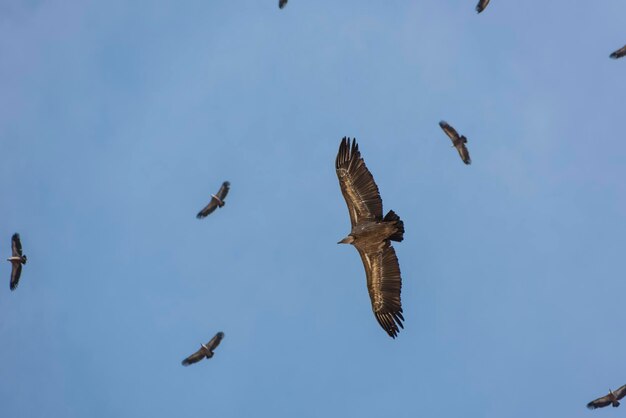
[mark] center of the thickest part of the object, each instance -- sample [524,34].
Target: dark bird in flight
[281,3]
[17,259]
[482,4]
[206,350]
[619,53]
[458,142]
[217,200]
[372,234]
[611,399]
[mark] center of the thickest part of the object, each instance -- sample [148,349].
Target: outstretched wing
[208,209]
[619,53]
[215,341]
[620,393]
[450,131]
[194,358]
[384,285]
[482,4]
[223,191]
[16,272]
[600,402]
[463,152]
[281,3]
[16,245]
[357,184]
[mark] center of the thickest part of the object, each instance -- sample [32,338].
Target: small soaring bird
[217,200]
[205,351]
[281,3]
[372,234]
[611,399]
[482,4]
[619,53]
[458,142]
[17,259]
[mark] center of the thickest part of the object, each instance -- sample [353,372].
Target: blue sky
[118,119]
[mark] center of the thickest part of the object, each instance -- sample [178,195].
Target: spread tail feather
[398,235]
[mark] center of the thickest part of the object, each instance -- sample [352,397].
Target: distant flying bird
[216,201]
[281,3]
[482,4]
[205,350]
[611,399]
[371,235]
[17,259]
[458,142]
[619,53]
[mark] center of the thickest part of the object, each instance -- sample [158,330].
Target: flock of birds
[371,233]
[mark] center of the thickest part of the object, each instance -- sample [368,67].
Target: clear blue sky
[118,119]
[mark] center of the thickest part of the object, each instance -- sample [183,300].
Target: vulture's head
[347,240]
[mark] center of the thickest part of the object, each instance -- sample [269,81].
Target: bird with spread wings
[205,351]
[217,201]
[611,399]
[16,259]
[372,234]
[458,141]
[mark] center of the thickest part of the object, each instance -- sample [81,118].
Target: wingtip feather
[391,322]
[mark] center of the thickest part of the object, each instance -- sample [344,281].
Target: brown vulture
[17,259]
[611,399]
[458,142]
[281,3]
[372,234]
[217,200]
[206,350]
[482,4]
[619,53]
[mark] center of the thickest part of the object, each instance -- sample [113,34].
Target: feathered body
[205,351]
[217,201]
[612,399]
[371,234]
[458,141]
[17,259]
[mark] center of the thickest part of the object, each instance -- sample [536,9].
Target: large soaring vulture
[17,259]
[482,4]
[619,53]
[206,350]
[281,3]
[611,399]
[217,201]
[458,142]
[372,234]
